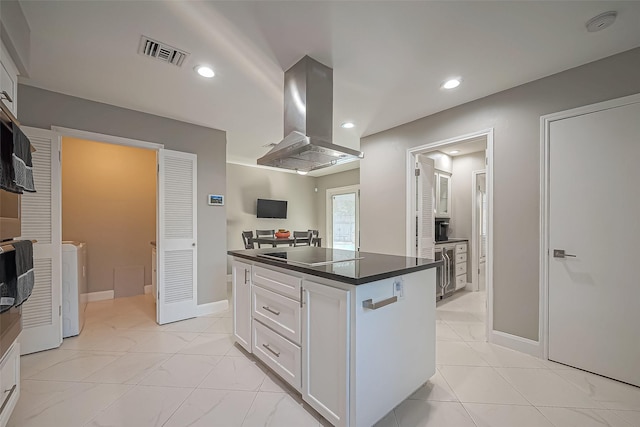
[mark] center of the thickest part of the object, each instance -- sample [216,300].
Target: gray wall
[323,183]
[15,34]
[246,184]
[461,193]
[42,109]
[514,115]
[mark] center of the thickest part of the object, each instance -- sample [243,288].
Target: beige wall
[323,183]
[515,117]
[42,109]
[109,202]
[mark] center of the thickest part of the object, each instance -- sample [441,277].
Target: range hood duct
[308,121]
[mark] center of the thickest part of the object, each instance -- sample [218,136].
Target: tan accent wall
[109,202]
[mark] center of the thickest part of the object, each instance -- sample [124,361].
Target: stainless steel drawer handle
[6,400]
[376,305]
[271,310]
[276,353]
[6,96]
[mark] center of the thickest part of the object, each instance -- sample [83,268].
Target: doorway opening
[109,209]
[343,218]
[448,219]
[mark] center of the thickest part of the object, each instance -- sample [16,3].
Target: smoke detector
[601,21]
[161,51]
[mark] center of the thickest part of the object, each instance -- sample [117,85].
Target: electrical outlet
[398,288]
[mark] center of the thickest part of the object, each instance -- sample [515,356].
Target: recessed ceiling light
[301,172]
[451,83]
[205,71]
[348,125]
[454,151]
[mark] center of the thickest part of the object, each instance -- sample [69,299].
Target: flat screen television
[266,208]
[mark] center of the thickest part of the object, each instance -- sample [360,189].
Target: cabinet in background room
[443,194]
[461,265]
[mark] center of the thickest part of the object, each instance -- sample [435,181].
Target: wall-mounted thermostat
[216,200]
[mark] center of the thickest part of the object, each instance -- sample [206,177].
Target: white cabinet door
[241,282]
[8,82]
[443,195]
[177,253]
[41,221]
[325,355]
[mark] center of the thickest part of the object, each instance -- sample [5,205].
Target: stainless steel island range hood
[308,121]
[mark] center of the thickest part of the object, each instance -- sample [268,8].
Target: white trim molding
[517,343]
[100,296]
[212,307]
[410,231]
[98,137]
[545,125]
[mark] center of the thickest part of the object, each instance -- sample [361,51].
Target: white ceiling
[389,57]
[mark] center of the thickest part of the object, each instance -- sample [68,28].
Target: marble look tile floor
[125,370]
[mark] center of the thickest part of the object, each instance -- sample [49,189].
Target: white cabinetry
[241,282]
[9,382]
[443,194]
[8,81]
[461,265]
[325,356]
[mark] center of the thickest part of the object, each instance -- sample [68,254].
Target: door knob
[560,253]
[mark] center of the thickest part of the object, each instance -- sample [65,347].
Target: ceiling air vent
[161,51]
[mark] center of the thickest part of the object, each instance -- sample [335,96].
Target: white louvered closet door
[177,251]
[41,221]
[425,207]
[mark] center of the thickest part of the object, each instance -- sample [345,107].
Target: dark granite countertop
[452,240]
[368,267]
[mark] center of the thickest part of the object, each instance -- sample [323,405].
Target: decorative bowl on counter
[282,234]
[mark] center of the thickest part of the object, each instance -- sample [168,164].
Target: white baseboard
[212,307]
[147,289]
[514,342]
[99,296]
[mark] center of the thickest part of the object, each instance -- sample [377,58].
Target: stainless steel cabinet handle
[6,399]
[376,305]
[276,353]
[559,253]
[6,96]
[245,275]
[271,310]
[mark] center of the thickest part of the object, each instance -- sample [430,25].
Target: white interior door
[41,221]
[177,222]
[594,293]
[425,200]
[343,213]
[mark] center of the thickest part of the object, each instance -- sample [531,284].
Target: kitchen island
[353,332]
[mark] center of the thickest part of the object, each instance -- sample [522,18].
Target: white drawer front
[278,353]
[461,257]
[277,282]
[461,247]
[461,268]
[280,313]
[461,281]
[10,382]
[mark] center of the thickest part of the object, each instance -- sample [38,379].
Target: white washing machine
[74,287]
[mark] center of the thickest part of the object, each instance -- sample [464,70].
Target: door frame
[410,208]
[475,243]
[545,170]
[329,211]
[116,140]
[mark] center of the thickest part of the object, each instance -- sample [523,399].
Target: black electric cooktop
[317,257]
